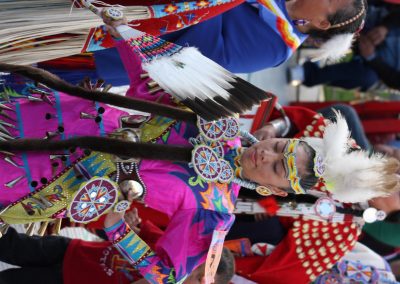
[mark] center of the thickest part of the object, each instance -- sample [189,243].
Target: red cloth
[299,116]
[270,205]
[100,262]
[309,249]
[175,22]
[166,24]
[79,61]
[377,117]
[96,262]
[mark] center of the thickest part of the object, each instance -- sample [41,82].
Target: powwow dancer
[202,200]
[316,229]
[256,34]
[281,27]
[191,202]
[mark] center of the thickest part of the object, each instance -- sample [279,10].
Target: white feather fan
[351,177]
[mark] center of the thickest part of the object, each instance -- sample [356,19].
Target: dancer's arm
[137,252]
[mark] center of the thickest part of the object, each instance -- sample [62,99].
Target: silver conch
[132,186]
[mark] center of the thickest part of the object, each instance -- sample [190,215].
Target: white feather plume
[334,48]
[354,177]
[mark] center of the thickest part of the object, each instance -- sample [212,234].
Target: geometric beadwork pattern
[212,130]
[149,47]
[232,128]
[325,208]
[358,272]
[209,166]
[330,278]
[93,199]
[225,128]
[206,163]
[217,146]
[226,174]
[176,7]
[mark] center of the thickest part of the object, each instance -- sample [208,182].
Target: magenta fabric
[196,208]
[32,123]
[195,211]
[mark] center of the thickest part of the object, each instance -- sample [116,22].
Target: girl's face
[264,163]
[316,11]
[388,204]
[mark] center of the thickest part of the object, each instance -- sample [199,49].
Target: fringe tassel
[26,28]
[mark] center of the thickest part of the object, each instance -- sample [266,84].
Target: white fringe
[199,77]
[29,56]
[22,21]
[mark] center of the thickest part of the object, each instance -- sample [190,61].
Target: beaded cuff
[129,244]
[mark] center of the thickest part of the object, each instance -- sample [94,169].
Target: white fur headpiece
[350,177]
[334,48]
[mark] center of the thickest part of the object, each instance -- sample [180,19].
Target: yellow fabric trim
[59,193]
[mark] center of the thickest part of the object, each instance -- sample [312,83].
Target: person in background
[376,59]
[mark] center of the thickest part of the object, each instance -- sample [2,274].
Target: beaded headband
[291,167]
[349,21]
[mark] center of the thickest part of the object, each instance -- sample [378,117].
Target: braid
[344,21]
[56,83]
[309,180]
[351,20]
[106,145]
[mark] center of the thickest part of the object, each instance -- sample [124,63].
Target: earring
[263,190]
[300,22]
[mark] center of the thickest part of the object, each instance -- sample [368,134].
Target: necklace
[127,169]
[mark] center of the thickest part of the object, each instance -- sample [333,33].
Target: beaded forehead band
[349,21]
[291,166]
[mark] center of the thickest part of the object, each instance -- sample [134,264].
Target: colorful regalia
[66,28]
[266,31]
[313,243]
[242,39]
[40,186]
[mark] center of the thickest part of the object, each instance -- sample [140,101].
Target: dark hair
[102,144]
[53,81]
[346,20]
[309,180]
[226,267]
[393,217]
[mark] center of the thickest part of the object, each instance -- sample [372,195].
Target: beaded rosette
[94,198]
[325,208]
[208,153]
